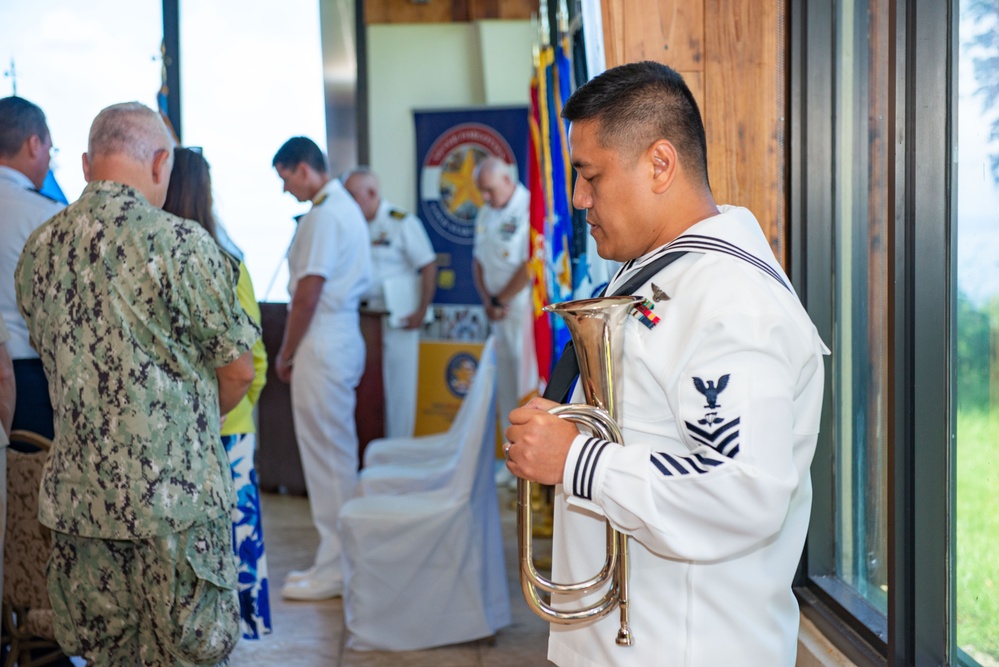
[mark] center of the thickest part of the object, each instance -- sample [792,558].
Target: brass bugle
[597,330]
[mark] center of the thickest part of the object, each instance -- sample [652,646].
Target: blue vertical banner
[449,145]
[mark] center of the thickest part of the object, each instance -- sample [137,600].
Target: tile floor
[312,634]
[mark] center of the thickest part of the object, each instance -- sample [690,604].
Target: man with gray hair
[401,256]
[135,315]
[25,146]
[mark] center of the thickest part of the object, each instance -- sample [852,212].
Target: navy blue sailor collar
[734,232]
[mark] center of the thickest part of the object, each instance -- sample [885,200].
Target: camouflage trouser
[159,602]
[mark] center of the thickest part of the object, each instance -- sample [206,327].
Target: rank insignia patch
[711,390]
[711,407]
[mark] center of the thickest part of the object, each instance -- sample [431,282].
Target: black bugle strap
[563,375]
[567,368]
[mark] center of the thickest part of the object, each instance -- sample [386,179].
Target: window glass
[860,345]
[251,78]
[73,59]
[976,344]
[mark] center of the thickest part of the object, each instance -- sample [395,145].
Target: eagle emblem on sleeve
[711,390]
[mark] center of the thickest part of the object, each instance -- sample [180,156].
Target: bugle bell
[597,330]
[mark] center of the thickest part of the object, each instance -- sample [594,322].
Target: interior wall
[505,51]
[731,53]
[436,66]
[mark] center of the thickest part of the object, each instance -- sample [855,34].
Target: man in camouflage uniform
[135,316]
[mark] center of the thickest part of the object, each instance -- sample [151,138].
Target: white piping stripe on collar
[697,242]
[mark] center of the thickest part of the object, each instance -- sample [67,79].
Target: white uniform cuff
[584,469]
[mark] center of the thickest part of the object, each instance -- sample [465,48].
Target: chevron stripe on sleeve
[724,439]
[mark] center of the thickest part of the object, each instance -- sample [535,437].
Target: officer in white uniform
[25,144]
[400,251]
[721,392]
[322,353]
[499,267]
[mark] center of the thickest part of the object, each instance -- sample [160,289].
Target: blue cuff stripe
[592,472]
[586,468]
[581,463]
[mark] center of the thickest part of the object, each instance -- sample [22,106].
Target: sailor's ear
[663,159]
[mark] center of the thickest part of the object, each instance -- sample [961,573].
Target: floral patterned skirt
[248,537]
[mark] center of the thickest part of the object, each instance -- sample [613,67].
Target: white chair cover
[410,465]
[426,568]
[425,448]
[381,451]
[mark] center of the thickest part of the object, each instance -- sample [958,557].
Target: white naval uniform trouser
[400,364]
[329,362]
[509,334]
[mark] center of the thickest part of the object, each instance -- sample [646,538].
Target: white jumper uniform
[331,241]
[501,246]
[22,211]
[399,247]
[720,404]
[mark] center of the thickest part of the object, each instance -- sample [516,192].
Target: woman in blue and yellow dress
[190,196]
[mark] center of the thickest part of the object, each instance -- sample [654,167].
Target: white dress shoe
[312,588]
[298,575]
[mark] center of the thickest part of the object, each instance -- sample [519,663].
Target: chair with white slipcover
[424,463]
[425,568]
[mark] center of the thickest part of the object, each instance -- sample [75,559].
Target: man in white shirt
[322,353]
[720,393]
[403,259]
[499,267]
[25,145]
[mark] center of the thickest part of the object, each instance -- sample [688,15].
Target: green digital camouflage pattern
[164,601]
[131,310]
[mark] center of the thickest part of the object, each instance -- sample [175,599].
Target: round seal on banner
[448,192]
[460,371]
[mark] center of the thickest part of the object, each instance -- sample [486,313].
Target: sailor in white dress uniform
[500,253]
[720,396]
[400,251]
[323,351]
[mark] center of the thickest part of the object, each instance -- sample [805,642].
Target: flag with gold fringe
[536,261]
[554,162]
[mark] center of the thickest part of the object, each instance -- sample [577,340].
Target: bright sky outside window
[73,59]
[251,78]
